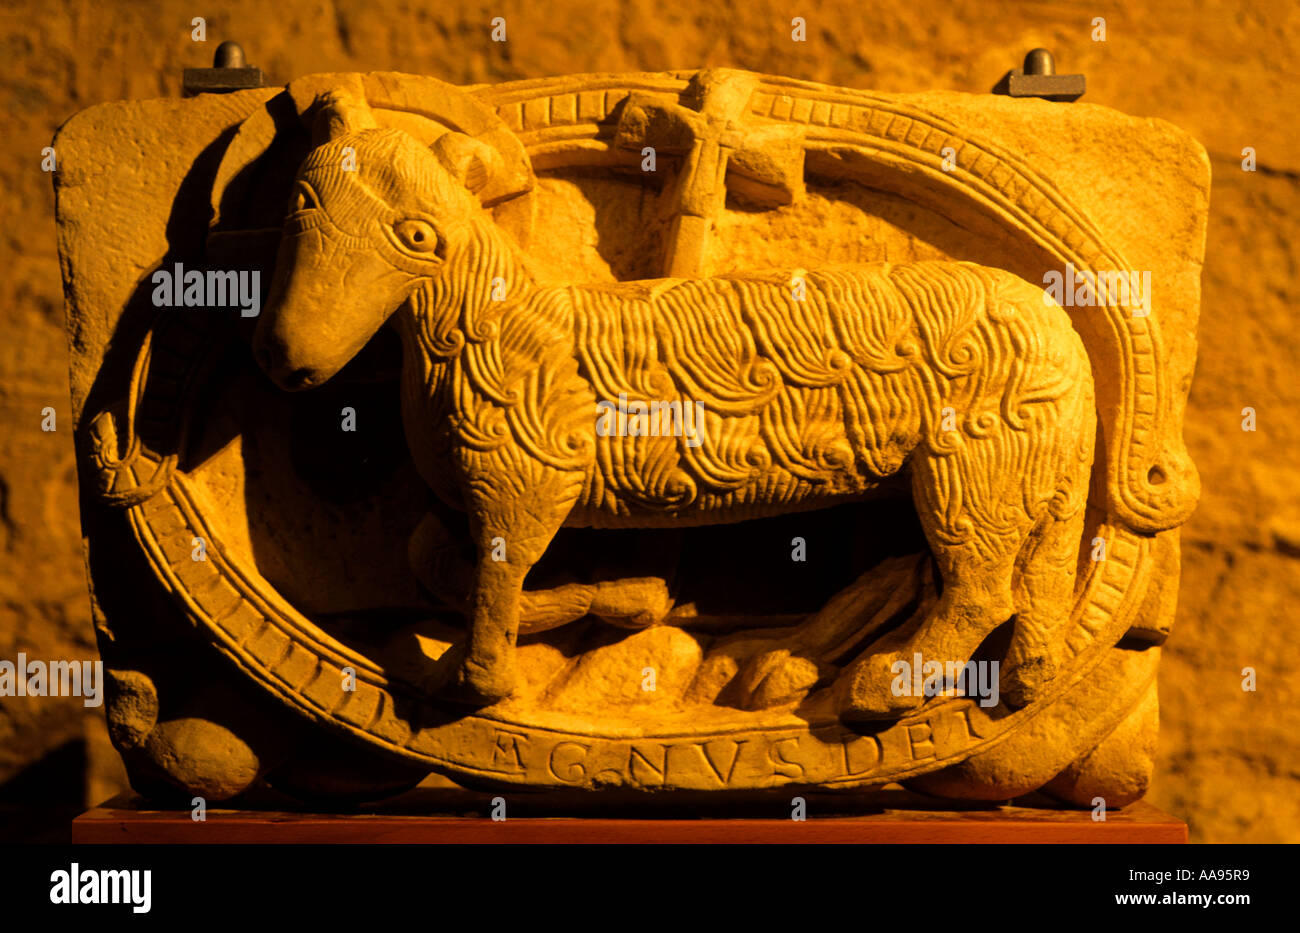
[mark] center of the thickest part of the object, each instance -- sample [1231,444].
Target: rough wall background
[1229,760]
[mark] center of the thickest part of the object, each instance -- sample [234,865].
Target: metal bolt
[231,55]
[1040,62]
[1039,79]
[230,71]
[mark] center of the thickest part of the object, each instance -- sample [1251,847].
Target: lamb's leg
[976,564]
[513,519]
[1048,574]
[449,577]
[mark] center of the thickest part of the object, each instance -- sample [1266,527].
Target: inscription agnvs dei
[753,759]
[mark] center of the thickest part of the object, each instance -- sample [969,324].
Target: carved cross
[720,151]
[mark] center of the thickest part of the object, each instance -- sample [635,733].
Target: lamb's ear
[467,160]
[340,111]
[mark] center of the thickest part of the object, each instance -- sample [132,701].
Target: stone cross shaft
[720,152]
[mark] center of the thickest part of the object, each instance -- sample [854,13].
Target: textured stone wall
[1229,760]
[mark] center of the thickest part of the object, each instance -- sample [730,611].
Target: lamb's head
[374,215]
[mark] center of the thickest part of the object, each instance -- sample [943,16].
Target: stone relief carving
[708,431]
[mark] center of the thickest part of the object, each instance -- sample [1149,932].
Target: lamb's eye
[416,235]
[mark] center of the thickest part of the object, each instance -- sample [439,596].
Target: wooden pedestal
[441,816]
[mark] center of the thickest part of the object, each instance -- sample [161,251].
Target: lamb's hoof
[867,691]
[464,681]
[778,678]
